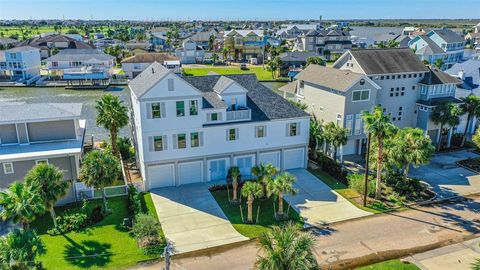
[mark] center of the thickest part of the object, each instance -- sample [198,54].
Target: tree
[471,107]
[19,250]
[264,173]
[286,248]
[48,181]
[214,58]
[316,136]
[445,114]
[438,63]
[302,106]
[234,174]
[336,136]
[476,265]
[211,42]
[99,170]
[379,125]
[112,115]
[274,65]
[21,203]
[317,60]
[225,53]
[281,185]
[251,190]
[173,36]
[412,147]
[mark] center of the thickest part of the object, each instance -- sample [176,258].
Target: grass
[262,74]
[105,245]
[149,208]
[389,265]
[266,217]
[350,194]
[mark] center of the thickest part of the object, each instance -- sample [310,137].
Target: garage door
[245,165]
[293,158]
[218,169]
[161,176]
[191,172]
[270,157]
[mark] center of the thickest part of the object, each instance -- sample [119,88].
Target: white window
[8,168]
[293,129]
[40,161]
[260,131]
[360,95]
[358,124]
[158,143]
[193,104]
[349,123]
[339,119]
[156,110]
[232,134]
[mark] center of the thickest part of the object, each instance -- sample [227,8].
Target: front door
[218,170]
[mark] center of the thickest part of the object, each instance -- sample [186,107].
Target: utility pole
[166,254]
[367,157]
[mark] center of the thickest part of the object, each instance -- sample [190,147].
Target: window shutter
[149,110]
[209,116]
[162,110]
[200,138]
[171,86]
[165,142]
[265,131]
[237,134]
[175,141]
[255,130]
[298,128]
[287,129]
[227,134]
[150,144]
[219,116]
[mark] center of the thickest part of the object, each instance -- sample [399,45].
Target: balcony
[240,114]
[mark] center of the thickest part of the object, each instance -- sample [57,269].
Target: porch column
[439,134]
[450,131]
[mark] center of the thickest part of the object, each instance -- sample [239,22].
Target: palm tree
[112,115]
[316,136]
[281,185]
[234,174]
[21,203]
[379,125]
[317,60]
[251,190]
[48,181]
[19,249]
[471,107]
[476,264]
[286,248]
[99,170]
[415,148]
[445,114]
[337,136]
[225,52]
[264,173]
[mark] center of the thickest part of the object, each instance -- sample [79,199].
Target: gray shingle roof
[448,35]
[147,79]
[149,58]
[11,113]
[80,55]
[222,84]
[332,78]
[435,49]
[22,49]
[384,61]
[295,56]
[436,76]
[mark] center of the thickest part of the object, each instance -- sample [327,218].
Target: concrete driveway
[446,178]
[191,218]
[318,203]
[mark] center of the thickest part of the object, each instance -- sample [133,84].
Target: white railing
[239,115]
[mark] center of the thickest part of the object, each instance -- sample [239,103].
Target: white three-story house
[193,129]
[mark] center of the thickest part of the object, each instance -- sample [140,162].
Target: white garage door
[161,176]
[245,165]
[293,158]
[191,172]
[270,157]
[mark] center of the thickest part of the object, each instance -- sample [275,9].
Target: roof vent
[153,70]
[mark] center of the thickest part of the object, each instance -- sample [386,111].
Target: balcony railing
[239,115]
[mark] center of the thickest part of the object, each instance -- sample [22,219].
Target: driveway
[446,178]
[191,218]
[318,203]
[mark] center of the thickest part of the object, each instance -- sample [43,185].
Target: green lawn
[262,74]
[106,245]
[390,265]
[266,217]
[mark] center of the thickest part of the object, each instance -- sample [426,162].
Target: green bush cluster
[76,220]
[357,183]
[134,201]
[146,230]
[409,188]
[331,167]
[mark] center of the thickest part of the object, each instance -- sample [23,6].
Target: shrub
[410,188]
[134,201]
[331,167]
[151,245]
[457,139]
[357,182]
[97,214]
[124,146]
[145,226]
[70,222]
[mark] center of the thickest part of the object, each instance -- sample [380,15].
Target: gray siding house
[35,133]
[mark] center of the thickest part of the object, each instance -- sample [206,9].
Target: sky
[238,9]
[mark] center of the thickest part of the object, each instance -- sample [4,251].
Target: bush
[357,182]
[145,226]
[97,214]
[331,167]
[410,188]
[457,139]
[70,222]
[151,245]
[134,201]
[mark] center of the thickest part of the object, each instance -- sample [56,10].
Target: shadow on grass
[87,253]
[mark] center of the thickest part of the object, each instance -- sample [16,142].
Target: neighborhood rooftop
[329,77]
[436,76]
[11,113]
[80,55]
[150,58]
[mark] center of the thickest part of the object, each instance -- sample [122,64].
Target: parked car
[243,66]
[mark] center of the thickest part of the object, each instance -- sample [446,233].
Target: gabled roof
[384,61]
[150,58]
[431,48]
[80,55]
[13,113]
[222,84]
[436,76]
[295,56]
[448,35]
[147,79]
[22,49]
[244,33]
[43,41]
[202,36]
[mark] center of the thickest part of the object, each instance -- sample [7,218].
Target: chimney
[461,75]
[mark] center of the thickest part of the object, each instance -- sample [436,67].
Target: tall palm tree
[445,114]
[415,148]
[235,174]
[337,136]
[316,136]
[48,181]
[264,173]
[112,115]
[281,185]
[379,125]
[471,107]
[21,203]
[19,250]
[251,190]
[99,170]
[286,248]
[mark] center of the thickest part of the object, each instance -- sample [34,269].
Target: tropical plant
[274,65]
[317,60]
[264,173]
[412,148]
[357,183]
[379,125]
[316,136]
[48,181]
[336,136]
[476,264]
[21,203]
[19,250]
[145,226]
[99,170]
[286,248]
[111,115]
[251,190]
[299,104]
[280,186]
[438,63]
[214,58]
[235,174]
[471,107]
[225,53]
[445,114]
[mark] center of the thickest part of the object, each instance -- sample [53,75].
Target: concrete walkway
[459,257]
[318,203]
[191,218]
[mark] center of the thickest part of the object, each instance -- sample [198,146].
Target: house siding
[51,130]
